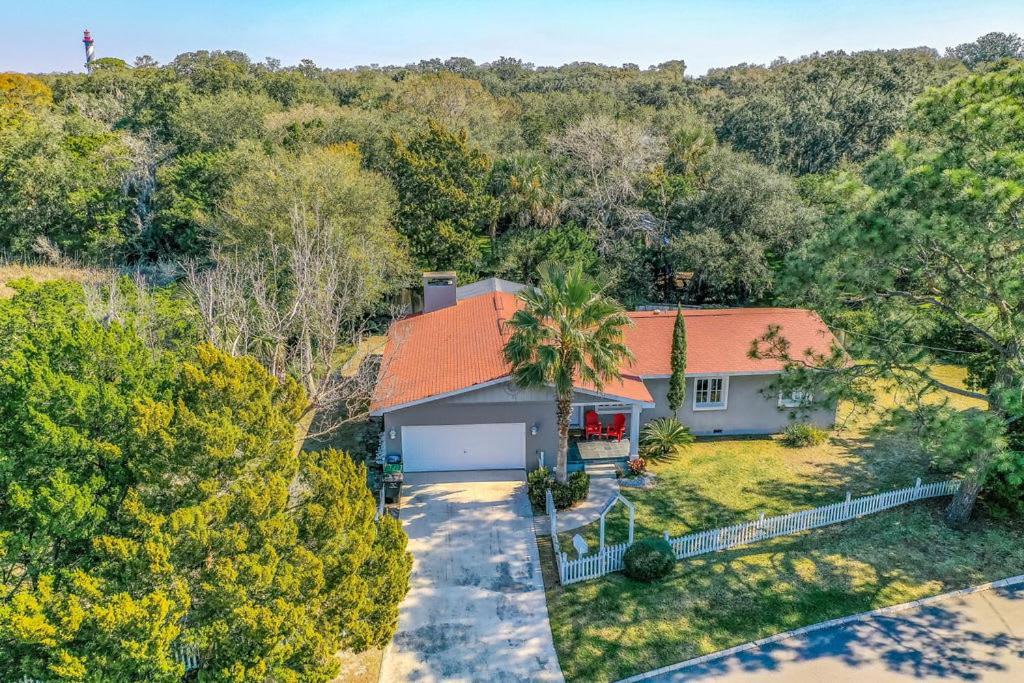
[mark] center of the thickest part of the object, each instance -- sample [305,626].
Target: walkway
[587,511]
[976,637]
[476,609]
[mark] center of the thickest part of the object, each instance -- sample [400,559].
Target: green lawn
[612,627]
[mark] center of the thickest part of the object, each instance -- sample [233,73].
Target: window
[709,393]
[795,399]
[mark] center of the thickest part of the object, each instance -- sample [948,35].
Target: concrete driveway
[476,609]
[977,637]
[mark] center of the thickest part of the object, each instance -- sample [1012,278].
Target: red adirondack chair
[617,428]
[591,425]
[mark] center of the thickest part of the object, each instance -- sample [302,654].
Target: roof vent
[438,290]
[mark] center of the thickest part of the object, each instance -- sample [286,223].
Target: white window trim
[712,406]
[792,402]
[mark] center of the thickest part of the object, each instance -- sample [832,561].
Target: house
[448,402]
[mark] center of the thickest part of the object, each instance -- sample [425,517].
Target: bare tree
[298,307]
[605,160]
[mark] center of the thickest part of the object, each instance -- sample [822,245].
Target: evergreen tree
[152,499]
[444,208]
[677,382]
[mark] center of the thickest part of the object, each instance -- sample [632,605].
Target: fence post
[917,488]
[846,505]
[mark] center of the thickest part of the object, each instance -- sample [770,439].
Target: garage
[443,448]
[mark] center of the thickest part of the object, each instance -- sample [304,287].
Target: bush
[649,560]
[637,467]
[661,437]
[575,489]
[803,434]
[537,483]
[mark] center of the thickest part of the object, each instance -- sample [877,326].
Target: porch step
[600,470]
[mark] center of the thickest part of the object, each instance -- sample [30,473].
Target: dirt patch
[360,668]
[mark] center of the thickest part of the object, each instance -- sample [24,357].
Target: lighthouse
[90,51]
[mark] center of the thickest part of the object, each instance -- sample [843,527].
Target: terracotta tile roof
[718,340]
[455,348]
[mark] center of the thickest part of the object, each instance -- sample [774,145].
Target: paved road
[979,637]
[476,609]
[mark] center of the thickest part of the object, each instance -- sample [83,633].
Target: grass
[11,270]
[613,627]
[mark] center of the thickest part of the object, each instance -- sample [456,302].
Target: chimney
[438,290]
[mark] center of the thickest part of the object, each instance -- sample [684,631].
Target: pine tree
[677,382]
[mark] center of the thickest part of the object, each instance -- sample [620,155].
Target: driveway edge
[841,621]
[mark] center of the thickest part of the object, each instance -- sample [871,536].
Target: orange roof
[456,348]
[718,340]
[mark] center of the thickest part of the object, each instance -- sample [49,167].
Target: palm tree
[567,332]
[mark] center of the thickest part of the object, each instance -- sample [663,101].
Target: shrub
[575,489]
[536,484]
[637,467]
[661,437]
[803,434]
[649,559]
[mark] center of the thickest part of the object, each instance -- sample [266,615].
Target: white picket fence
[549,506]
[611,558]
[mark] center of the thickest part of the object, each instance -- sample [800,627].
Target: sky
[45,35]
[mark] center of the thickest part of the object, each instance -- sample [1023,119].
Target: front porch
[598,450]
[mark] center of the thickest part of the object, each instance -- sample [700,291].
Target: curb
[841,621]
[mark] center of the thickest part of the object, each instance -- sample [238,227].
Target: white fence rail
[611,558]
[549,506]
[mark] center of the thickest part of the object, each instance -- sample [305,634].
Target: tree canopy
[154,500]
[924,252]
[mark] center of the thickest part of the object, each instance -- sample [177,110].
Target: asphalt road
[978,637]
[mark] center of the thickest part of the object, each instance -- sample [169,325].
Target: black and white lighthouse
[90,51]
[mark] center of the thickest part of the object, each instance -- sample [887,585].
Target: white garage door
[464,447]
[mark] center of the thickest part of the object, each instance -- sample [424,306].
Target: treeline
[672,187]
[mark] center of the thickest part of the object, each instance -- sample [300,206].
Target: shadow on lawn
[729,598]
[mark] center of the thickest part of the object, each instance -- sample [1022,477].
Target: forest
[260,219]
[486,169]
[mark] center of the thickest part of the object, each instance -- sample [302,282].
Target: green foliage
[61,178]
[990,47]
[443,204]
[677,381]
[188,191]
[537,482]
[733,231]
[215,122]
[19,92]
[649,559]
[519,253]
[928,234]
[153,499]
[810,115]
[803,434]
[660,437]
[568,331]
[287,198]
[563,494]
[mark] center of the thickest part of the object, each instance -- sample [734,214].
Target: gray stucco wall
[450,412]
[748,411]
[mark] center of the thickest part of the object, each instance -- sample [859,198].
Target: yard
[612,627]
